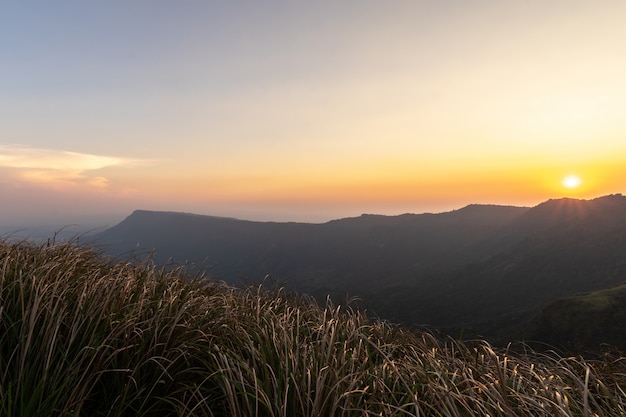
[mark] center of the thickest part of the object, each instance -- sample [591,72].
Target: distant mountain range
[481,270]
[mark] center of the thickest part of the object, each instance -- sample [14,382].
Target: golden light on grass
[362,366]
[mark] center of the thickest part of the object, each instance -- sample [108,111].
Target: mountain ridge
[474,270]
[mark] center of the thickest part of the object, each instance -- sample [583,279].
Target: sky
[306,111]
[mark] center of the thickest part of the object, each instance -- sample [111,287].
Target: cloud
[55,167]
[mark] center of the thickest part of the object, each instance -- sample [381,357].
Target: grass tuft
[83,336]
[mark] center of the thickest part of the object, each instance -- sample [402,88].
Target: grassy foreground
[83,336]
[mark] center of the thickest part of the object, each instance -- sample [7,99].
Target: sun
[571,181]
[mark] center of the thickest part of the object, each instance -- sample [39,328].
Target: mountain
[481,270]
[365,250]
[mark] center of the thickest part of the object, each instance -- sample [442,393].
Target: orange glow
[449,185]
[571,181]
[340,109]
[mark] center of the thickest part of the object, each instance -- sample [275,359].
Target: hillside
[338,256]
[561,247]
[480,270]
[83,336]
[577,323]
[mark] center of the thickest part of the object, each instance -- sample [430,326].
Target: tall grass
[83,336]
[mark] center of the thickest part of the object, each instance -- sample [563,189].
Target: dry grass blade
[83,336]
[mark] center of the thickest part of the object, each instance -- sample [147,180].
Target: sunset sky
[306,111]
